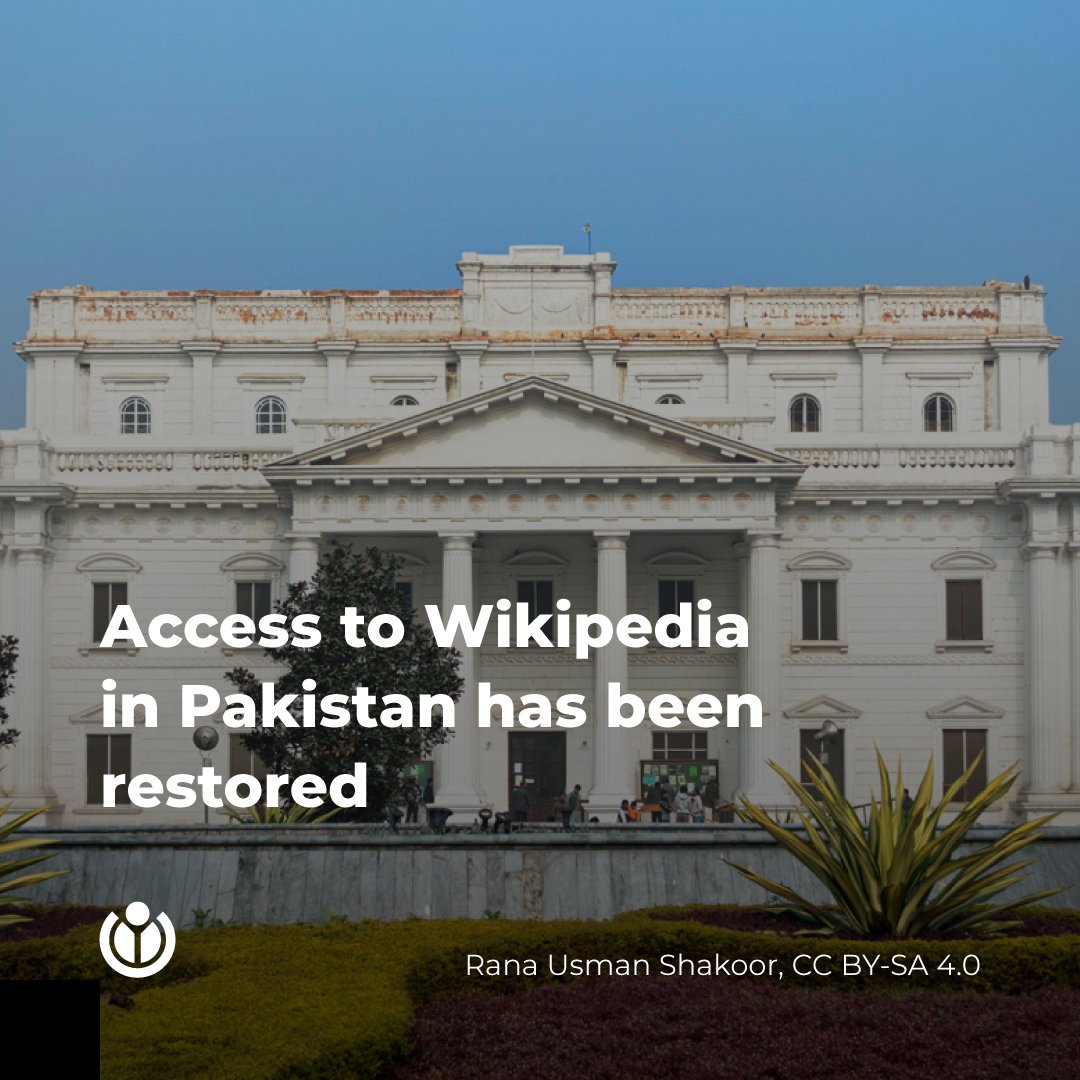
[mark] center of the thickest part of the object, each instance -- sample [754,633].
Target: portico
[648,486]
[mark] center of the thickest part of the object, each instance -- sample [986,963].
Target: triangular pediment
[822,708]
[536,424]
[965,708]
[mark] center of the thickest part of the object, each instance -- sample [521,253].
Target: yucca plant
[12,871]
[899,875]
[281,815]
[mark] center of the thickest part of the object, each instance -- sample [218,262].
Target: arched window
[670,399]
[270,415]
[135,416]
[404,399]
[939,413]
[805,413]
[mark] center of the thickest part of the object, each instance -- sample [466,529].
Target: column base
[604,804]
[16,803]
[1036,804]
[771,798]
[465,804]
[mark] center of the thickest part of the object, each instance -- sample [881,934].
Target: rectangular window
[819,617]
[253,599]
[671,592]
[243,760]
[109,754]
[680,745]
[963,611]
[107,596]
[405,591]
[539,595]
[961,749]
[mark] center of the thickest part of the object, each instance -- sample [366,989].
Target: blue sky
[365,145]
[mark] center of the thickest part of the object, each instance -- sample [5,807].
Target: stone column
[758,746]
[456,765]
[303,557]
[1048,748]
[28,783]
[613,778]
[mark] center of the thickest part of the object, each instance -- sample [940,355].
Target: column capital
[457,541]
[31,552]
[611,539]
[201,348]
[1041,549]
[601,348]
[335,348]
[469,347]
[764,539]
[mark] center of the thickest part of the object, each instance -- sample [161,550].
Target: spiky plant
[281,815]
[12,871]
[900,875]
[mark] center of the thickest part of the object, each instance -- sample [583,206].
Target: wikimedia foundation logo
[135,946]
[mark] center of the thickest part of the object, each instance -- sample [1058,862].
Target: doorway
[540,758]
[830,752]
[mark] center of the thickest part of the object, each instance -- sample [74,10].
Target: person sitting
[623,815]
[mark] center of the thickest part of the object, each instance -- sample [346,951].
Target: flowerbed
[729,1030]
[48,920]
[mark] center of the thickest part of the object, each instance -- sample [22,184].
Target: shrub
[12,875]
[900,876]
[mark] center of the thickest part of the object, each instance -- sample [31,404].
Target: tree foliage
[9,653]
[366,581]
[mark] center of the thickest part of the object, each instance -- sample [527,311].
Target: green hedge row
[335,1001]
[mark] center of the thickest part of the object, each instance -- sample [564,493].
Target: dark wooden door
[539,757]
[830,752]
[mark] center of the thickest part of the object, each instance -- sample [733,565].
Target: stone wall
[280,874]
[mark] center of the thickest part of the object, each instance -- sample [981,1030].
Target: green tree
[9,653]
[366,581]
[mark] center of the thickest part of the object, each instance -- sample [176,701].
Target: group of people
[414,797]
[684,806]
[663,804]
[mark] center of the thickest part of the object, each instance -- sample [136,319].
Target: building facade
[867,474]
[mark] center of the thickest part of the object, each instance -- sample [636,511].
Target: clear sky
[366,144]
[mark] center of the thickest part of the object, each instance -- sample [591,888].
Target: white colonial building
[868,474]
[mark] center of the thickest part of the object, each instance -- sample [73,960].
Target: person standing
[656,797]
[412,801]
[558,810]
[682,805]
[522,802]
[697,809]
[429,797]
[573,806]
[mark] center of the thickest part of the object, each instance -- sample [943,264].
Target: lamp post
[205,739]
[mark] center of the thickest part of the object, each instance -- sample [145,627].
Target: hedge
[275,1002]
